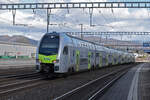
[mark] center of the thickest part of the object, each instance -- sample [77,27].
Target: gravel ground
[17,71]
[6,64]
[57,87]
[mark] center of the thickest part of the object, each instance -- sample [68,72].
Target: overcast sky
[69,20]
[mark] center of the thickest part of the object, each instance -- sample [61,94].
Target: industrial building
[17,50]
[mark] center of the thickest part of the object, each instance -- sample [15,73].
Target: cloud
[9,1]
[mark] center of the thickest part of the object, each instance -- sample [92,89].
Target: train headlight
[38,60]
[56,61]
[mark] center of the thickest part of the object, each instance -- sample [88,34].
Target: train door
[110,58]
[107,59]
[122,59]
[77,60]
[104,58]
[66,57]
[72,54]
[113,59]
[97,59]
[117,57]
[120,62]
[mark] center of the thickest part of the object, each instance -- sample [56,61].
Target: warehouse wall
[17,50]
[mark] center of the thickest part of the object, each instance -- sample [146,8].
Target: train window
[49,45]
[92,55]
[65,51]
[97,54]
[73,53]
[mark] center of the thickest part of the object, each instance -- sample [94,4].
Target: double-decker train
[60,53]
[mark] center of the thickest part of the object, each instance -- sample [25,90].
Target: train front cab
[47,55]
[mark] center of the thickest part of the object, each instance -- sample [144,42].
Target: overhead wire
[64,19]
[25,25]
[106,20]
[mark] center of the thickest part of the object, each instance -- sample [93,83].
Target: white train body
[62,53]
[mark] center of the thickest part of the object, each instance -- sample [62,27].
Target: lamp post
[81,30]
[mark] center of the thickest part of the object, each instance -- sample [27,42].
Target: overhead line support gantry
[75,5]
[108,33]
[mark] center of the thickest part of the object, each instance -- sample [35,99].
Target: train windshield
[49,45]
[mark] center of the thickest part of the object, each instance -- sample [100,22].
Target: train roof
[105,48]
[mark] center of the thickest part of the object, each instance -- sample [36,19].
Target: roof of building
[15,43]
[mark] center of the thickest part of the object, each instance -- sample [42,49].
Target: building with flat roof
[17,50]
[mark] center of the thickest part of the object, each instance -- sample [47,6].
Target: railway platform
[134,85]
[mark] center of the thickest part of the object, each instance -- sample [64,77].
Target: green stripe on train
[47,59]
[117,57]
[77,60]
[107,59]
[100,60]
[89,60]
[113,59]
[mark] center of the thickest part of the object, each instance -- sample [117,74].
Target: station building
[17,50]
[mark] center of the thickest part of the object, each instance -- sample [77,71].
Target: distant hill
[18,39]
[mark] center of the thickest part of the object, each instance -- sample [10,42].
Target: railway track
[16,71]
[12,83]
[13,87]
[11,78]
[94,88]
[18,75]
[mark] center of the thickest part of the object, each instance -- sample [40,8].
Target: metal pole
[91,16]
[121,37]
[81,31]
[48,19]
[100,38]
[14,15]
[106,39]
